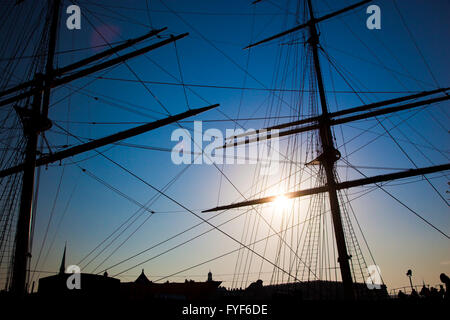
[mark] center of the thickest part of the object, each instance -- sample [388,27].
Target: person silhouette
[446,280]
[441,291]
[414,295]
[424,292]
[434,294]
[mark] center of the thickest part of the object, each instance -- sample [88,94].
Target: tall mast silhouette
[328,159]
[35,122]
[330,154]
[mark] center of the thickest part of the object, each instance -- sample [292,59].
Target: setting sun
[281,202]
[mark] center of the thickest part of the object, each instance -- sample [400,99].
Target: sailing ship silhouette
[307,269]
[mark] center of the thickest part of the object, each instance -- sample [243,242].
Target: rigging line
[6,232]
[35,202]
[411,160]
[126,63]
[238,249]
[8,189]
[70,97]
[181,74]
[110,187]
[11,67]
[216,166]
[362,233]
[286,11]
[82,87]
[212,86]
[8,197]
[378,135]
[207,221]
[445,130]
[104,99]
[403,67]
[59,224]
[180,244]
[256,225]
[127,220]
[431,147]
[218,13]
[81,160]
[219,50]
[368,48]
[61,52]
[164,241]
[120,17]
[108,237]
[155,199]
[147,3]
[337,108]
[163,69]
[122,243]
[240,101]
[49,220]
[388,132]
[206,101]
[415,44]
[367,130]
[244,81]
[192,212]
[376,64]
[404,152]
[151,201]
[176,235]
[118,236]
[438,122]
[402,203]
[181,121]
[259,214]
[297,163]
[346,171]
[279,245]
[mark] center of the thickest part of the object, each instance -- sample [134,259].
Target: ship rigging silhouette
[29,101]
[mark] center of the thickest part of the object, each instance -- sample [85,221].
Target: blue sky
[378,61]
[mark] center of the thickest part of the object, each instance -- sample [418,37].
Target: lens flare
[281,202]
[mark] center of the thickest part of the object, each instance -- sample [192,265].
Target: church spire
[62,268]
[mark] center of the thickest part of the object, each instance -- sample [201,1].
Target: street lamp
[409,275]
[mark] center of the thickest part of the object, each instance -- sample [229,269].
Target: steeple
[142,279]
[62,268]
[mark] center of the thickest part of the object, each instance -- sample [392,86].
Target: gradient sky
[380,61]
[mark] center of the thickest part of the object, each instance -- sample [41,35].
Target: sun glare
[281,202]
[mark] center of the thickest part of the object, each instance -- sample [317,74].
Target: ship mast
[35,121]
[328,159]
[330,155]
[33,124]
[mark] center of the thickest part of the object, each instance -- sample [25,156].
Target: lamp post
[409,275]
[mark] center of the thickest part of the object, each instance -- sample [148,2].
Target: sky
[381,64]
